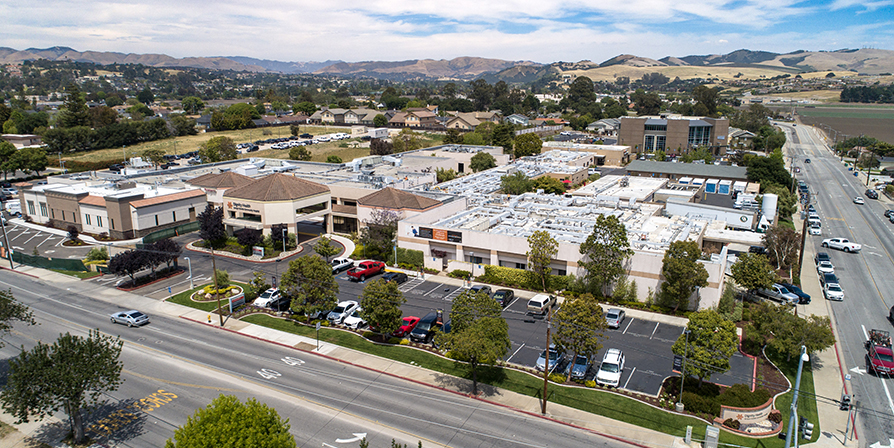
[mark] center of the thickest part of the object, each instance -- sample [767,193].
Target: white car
[354,321]
[132,318]
[859,200]
[341,264]
[610,370]
[814,230]
[833,291]
[266,298]
[343,310]
[825,267]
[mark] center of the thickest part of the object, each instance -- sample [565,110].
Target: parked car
[282,303]
[341,264]
[889,213]
[614,318]
[9,191]
[578,369]
[833,291]
[354,321]
[425,329]
[504,297]
[803,297]
[407,325]
[481,288]
[266,298]
[778,293]
[821,256]
[341,311]
[555,356]
[825,267]
[366,269]
[397,277]
[871,194]
[306,135]
[815,230]
[842,244]
[541,303]
[132,318]
[828,279]
[805,160]
[610,370]
[859,201]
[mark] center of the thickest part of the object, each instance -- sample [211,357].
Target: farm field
[871,120]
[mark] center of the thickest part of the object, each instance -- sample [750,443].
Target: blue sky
[389,30]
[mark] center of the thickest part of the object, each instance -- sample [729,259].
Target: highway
[173,366]
[866,277]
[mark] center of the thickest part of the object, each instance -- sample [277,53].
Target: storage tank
[768,206]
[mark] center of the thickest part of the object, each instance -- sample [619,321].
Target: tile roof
[221,180]
[155,200]
[396,199]
[92,199]
[277,187]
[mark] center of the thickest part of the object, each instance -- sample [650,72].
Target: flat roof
[623,187]
[689,169]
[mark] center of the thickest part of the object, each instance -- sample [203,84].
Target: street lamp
[794,409]
[189,263]
[683,373]
[285,232]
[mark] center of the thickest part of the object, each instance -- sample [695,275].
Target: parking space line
[29,239]
[48,238]
[512,302]
[628,325]
[433,290]
[628,378]
[515,352]
[654,330]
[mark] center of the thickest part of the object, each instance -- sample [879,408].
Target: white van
[814,222]
[541,303]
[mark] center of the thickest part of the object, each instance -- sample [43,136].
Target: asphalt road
[866,277]
[324,400]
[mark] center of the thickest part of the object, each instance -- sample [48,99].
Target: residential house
[517,119]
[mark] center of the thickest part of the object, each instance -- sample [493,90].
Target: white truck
[842,244]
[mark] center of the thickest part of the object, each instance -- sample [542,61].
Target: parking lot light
[189,263]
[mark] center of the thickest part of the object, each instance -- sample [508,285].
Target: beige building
[603,155]
[216,184]
[674,134]
[277,199]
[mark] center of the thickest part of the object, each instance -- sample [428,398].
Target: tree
[72,374]
[381,302]
[579,325]
[183,125]
[380,121]
[12,311]
[454,137]
[211,227]
[406,140]
[444,174]
[605,253]
[192,105]
[528,145]
[707,97]
[767,170]
[478,335]
[154,155]
[549,185]
[167,251]
[581,95]
[128,263]
[786,203]
[218,149]
[473,139]
[74,109]
[482,94]
[30,160]
[229,422]
[333,159]
[146,96]
[712,340]
[753,272]
[248,237]
[325,248]
[377,236]
[682,273]
[482,161]
[310,284]
[102,116]
[304,107]
[299,153]
[646,103]
[7,151]
[380,147]
[516,183]
[782,243]
[502,136]
[776,327]
[542,248]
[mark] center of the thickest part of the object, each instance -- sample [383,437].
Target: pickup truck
[366,269]
[878,350]
[842,244]
[341,264]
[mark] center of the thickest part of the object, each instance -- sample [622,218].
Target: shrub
[741,396]
[730,423]
[698,404]
[459,273]
[411,257]
[775,417]
[590,383]
[97,254]
[557,378]
[223,279]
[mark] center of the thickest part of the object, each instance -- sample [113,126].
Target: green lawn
[78,274]
[183,299]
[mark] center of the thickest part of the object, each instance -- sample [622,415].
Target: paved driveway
[25,239]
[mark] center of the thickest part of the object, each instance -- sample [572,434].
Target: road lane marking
[628,378]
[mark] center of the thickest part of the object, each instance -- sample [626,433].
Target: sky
[393,30]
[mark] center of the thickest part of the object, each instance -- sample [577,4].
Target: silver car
[132,318]
[614,318]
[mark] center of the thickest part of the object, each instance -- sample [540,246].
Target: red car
[881,359]
[409,323]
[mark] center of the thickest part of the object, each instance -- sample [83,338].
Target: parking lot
[25,239]
[646,344]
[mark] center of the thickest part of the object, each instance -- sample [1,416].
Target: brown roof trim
[167,198]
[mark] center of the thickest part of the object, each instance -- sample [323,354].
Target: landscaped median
[596,401]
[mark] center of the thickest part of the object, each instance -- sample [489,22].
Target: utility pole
[6,239]
[214,274]
[793,417]
[549,314]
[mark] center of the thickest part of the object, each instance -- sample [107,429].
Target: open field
[683,72]
[815,95]
[871,120]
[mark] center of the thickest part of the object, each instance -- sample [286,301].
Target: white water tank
[768,206]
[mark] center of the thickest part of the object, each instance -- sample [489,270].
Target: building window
[475,260]
[521,266]
[63,215]
[191,210]
[156,220]
[31,208]
[656,127]
[174,216]
[312,208]
[43,209]
[87,219]
[699,136]
[561,272]
[113,222]
[99,220]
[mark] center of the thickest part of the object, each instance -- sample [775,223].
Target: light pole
[794,408]
[395,250]
[285,232]
[683,373]
[189,263]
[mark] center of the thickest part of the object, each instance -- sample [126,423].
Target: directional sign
[358,436]
[858,370]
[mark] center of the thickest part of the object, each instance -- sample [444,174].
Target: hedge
[522,279]
[410,257]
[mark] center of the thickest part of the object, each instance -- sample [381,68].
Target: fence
[49,263]
[539,129]
[172,232]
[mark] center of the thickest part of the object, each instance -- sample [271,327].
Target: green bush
[730,423]
[522,279]
[775,417]
[698,404]
[412,257]
[741,396]
[459,273]
[97,254]
[557,378]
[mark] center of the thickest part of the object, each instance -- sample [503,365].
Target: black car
[821,256]
[397,277]
[758,250]
[504,297]
[803,297]
[116,167]
[306,135]
[806,160]
[481,288]
[828,278]
[871,194]
[424,331]
[889,213]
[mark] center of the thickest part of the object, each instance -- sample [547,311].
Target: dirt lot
[873,121]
